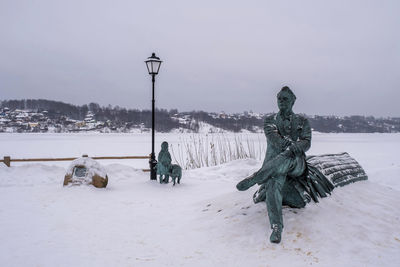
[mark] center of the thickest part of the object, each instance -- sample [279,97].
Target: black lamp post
[153,64]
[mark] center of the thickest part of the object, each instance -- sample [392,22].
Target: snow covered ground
[204,221]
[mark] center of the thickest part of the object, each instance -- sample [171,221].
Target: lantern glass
[149,67]
[153,64]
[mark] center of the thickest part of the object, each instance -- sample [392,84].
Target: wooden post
[7,161]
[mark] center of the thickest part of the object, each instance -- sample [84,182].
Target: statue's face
[285,101]
[164,146]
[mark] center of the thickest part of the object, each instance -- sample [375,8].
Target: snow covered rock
[85,170]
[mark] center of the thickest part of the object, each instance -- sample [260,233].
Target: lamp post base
[153,167]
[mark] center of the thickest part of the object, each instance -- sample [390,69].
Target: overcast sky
[339,57]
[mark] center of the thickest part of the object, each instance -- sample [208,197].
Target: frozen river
[371,150]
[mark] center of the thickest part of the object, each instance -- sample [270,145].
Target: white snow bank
[30,175]
[357,226]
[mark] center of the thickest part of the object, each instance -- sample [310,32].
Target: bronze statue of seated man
[288,138]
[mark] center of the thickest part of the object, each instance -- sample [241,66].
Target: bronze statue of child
[164,163]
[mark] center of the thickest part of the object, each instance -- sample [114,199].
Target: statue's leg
[291,189]
[291,196]
[274,195]
[259,177]
[279,164]
[274,206]
[274,199]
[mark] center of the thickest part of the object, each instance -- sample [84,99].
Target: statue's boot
[260,177]
[269,168]
[247,182]
[276,234]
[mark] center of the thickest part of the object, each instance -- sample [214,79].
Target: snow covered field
[204,221]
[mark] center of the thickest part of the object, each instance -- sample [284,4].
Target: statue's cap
[287,90]
[164,145]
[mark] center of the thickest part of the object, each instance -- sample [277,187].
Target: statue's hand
[286,143]
[296,150]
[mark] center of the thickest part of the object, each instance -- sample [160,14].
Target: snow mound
[358,223]
[93,167]
[30,175]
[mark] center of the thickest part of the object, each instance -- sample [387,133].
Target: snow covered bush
[204,150]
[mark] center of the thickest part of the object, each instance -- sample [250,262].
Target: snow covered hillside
[204,221]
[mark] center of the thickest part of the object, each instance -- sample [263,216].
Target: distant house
[33,124]
[80,124]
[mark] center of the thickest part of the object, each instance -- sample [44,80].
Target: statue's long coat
[164,162]
[295,128]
